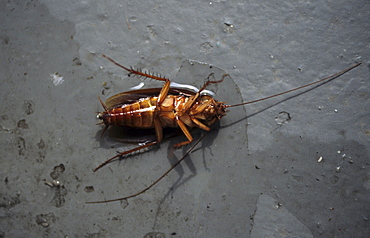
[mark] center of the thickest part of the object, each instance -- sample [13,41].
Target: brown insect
[164,107]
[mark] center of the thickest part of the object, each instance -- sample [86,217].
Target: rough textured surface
[274,220]
[50,143]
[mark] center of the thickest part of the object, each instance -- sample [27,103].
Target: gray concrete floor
[251,178]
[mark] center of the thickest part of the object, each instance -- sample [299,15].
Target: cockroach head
[212,109]
[220,109]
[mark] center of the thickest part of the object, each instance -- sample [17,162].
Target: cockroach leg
[159,179]
[126,153]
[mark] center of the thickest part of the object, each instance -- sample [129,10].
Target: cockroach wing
[134,95]
[129,97]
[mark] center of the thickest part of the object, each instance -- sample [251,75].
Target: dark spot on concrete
[45,219]
[42,151]
[155,235]
[22,124]
[41,144]
[89,189]
[58,170]
[21,146]
[282,118]
[59,197]
[5,40]
[8,201]
[28,107]
[76,61]
[124,203]
[334,179]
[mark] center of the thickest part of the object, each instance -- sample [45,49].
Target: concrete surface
[254,177]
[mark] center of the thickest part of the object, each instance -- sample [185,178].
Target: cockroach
[159,108]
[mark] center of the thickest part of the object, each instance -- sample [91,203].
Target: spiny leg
[155,182]
[126,153]
[159,135]
[136,72]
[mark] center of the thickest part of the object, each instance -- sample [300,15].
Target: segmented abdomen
[139,114]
